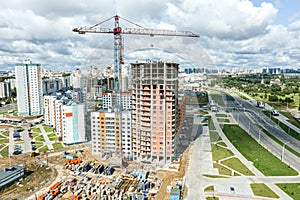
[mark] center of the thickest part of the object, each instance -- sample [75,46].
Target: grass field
[37,130]
[2,141]
[212,198]
[237,165]
[5,133]
[214,136]
[222,170]
[260,189]
[4,152]
[38,144]
[214,176]
[2,137]
[288,130]
[222,120]
[292,189]
[292,120]
[57,145]
[222,144]
[44,148]
[263,160]
[219,153]
[209,188]
[217,97]
[48,129]
[211,125]
[221,115]
[40,138]
[34,134]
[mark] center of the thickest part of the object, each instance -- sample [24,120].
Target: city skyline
[256,34]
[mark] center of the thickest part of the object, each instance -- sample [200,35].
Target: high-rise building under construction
[154,110]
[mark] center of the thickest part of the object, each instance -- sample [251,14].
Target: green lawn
[44,148]
[221,115]
[288,130]
[34,134]
[57,145]
[2,141]
[48,129]
[40,138]
[6,133]
[260,189]
[2,137]
[52,135]
[55,138]
[217,97]
[222,120]
[263,160]
[37,130]
[214,136]
[4,152]
[209,188]
[237,165]
[292,120]
[38,144]
[212,198]
[292,189]
[222,170]
[214,176]
[219,153]
[222,144]
[211,125]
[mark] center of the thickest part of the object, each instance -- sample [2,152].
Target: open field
[263,160]
[292,189]
[40,138]
[219,153]
[211,125]
[4,152]
[222,170]
[37,130]
[237,165]
[57,145]
[217,97]
[214,136]
[260,189]
[48,129]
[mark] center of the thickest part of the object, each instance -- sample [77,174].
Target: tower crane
[117,31]
[118,43]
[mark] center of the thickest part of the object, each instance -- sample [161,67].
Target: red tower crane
[118,51]
[118,44]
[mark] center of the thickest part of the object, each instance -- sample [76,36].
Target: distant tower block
[154,110]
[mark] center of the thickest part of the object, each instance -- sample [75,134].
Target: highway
[249,117]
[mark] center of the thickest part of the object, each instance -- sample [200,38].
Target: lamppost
[282,153]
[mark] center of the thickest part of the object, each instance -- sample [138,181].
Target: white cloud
[234,33]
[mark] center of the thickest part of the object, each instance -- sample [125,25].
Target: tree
[273,98]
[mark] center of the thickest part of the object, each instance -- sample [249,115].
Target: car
[232,189]
[274,113]
[17,152]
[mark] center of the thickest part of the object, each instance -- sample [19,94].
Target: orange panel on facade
[68,114]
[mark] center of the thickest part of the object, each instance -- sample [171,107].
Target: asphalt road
[249,121]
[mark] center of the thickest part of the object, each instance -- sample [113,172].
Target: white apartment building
[111,99]
[66,113]
[5,89]
[106,137]
[29,88]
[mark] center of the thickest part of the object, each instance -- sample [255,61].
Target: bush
[273,98]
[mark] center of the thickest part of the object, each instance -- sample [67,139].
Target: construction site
[69,175]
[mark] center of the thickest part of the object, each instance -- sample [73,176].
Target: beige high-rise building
[154,110]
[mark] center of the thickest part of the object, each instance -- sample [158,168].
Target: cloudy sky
[233,33]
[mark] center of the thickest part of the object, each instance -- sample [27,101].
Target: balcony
[146,88]
[146,94]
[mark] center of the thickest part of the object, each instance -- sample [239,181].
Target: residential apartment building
[154,110]
[66,113]
[54,84]
[111,99]
[5,89]
[29,88]
[106,137]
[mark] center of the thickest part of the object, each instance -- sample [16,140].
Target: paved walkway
[44,133]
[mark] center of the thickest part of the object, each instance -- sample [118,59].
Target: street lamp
[282,153]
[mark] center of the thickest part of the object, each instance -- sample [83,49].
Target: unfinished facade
[154,110]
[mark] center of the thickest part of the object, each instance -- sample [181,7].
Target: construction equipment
[33,154]
[117,31]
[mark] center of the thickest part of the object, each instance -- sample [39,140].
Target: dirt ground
[168,176]
[37,176]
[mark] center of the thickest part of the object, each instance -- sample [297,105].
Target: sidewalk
[45,135]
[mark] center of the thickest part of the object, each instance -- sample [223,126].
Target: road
[249,117]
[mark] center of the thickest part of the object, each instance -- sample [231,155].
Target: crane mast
[119,49]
